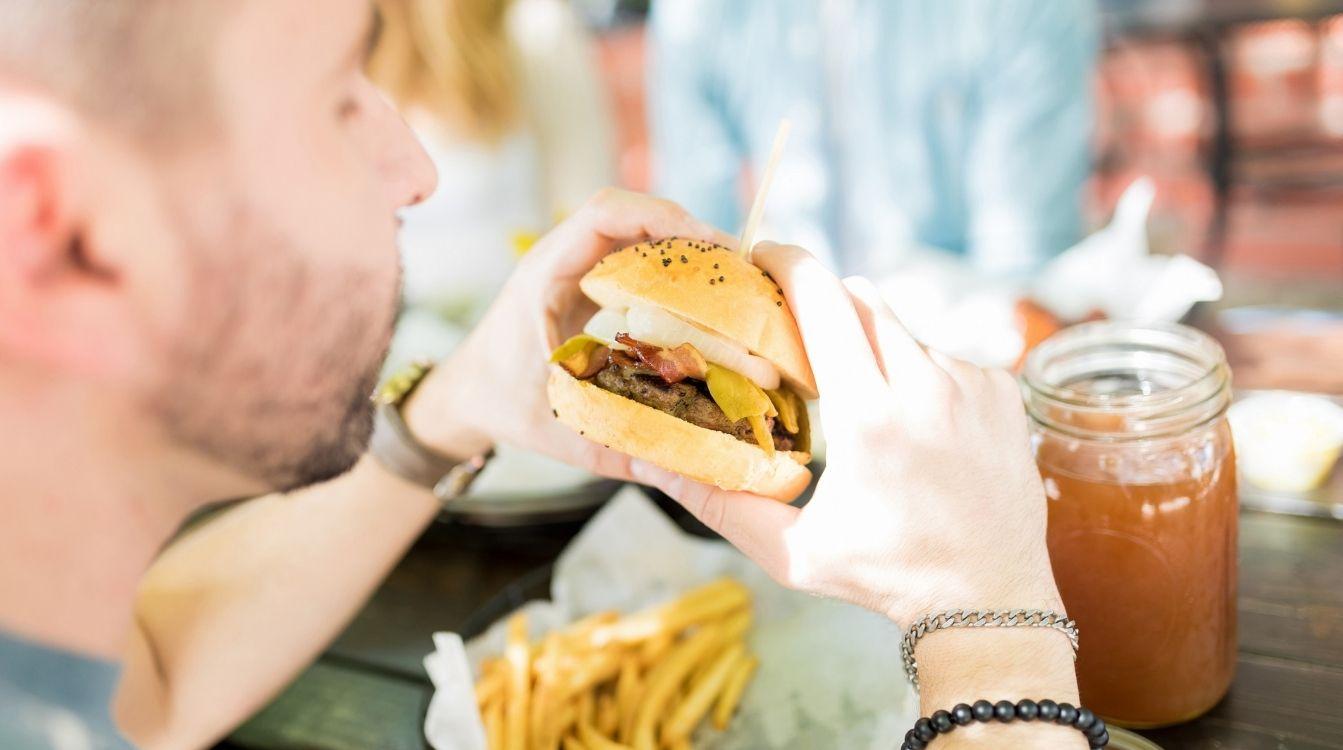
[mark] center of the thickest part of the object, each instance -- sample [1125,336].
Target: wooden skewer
[766,177]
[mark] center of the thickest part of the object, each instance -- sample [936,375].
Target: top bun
[713,287]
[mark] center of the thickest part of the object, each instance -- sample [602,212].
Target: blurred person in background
[919,129]
[506,98]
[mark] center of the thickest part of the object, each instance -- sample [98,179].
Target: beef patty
[688,400]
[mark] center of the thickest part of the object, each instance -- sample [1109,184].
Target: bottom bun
[676,445]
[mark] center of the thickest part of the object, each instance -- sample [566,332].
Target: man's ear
[60,311]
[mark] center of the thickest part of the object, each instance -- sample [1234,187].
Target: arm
[930,501]
[697,161]
[232,611]
[1030,152]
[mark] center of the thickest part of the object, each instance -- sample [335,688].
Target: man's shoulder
[51,700]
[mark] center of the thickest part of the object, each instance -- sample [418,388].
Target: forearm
[965,665]
[236,608]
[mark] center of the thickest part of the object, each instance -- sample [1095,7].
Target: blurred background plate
[526,489]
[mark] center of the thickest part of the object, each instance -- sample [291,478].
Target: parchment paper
[830,673]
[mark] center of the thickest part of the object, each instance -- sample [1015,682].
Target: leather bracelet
[1046,711]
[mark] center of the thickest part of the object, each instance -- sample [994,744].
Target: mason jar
[1131,438]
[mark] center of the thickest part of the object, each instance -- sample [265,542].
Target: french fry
[586,707]
[699,605]
[494,725]
[566,720]
[581,631]
[600,667]
[696,704]
[628,687]
[736,626]
[517,654]
[595,741]
[608,715]
[653,649]
[732,691]
[606,682]
[490,687]
[666,678]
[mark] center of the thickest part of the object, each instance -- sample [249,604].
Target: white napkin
[830,673]
[950,307]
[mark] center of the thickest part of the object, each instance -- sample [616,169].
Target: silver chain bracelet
[959,618]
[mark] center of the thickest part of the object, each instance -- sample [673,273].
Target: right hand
[930,499]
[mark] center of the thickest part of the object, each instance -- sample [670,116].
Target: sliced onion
[657,326]
[605,325]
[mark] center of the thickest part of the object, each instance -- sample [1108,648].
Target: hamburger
[693,363]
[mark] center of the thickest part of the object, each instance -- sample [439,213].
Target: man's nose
[414,177]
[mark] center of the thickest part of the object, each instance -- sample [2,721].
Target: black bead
[1004,711]
[963,714]
[983,710]
[1049,710]
[1101,741]
[1095,730]
[1084,719]
[912,740]
[1027,709]
[1067,714]
[905,746]
[942,722]
[923,729]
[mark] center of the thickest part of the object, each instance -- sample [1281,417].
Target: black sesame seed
[715,265]
[554,413]
[666,262]
[712,282]
[720,278]
[779,303]
[684,259]
[580,432]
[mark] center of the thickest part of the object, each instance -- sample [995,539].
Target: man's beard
[273,374]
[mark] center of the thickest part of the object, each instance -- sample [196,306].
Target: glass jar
[1130,434]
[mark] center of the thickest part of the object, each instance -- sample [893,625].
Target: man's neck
[87,500]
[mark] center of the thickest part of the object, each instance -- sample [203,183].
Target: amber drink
[1131,438]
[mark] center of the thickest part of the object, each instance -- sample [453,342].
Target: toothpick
[766,177]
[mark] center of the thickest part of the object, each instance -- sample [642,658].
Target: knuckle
[604,197]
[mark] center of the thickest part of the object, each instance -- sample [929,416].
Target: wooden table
[370,690]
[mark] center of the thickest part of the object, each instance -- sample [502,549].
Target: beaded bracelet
[1063,714]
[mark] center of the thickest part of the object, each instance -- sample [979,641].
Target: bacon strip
[596,361]
[672,365]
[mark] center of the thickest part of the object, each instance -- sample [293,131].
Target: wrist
[963,665]
[438,419]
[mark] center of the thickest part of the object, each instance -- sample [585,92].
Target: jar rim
[1170,348]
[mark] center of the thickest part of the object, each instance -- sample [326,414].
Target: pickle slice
[761,431]
[739,399]
[573,354]
[737,396]
[786,404]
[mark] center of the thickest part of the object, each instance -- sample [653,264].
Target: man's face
[285,213]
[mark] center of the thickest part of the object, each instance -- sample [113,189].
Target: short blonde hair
[451,58]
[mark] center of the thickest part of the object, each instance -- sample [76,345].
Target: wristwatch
[400,452]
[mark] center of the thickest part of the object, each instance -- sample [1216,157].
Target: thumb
[755,525]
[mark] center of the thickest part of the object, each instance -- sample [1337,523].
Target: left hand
[492,389]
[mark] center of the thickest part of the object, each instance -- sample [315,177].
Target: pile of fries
[641,682]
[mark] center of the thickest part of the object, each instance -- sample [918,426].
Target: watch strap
[400,452]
